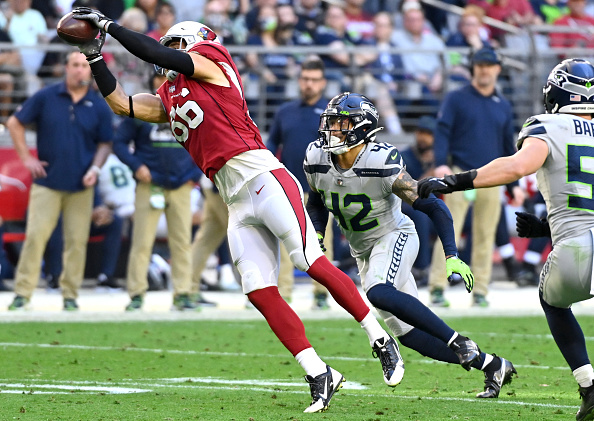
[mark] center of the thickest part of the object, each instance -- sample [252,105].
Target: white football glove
[94,16]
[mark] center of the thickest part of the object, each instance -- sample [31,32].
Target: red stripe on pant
[292,191]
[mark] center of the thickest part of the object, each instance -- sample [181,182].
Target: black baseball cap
[427,124]
[486,55]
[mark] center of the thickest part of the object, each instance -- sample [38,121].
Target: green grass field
[221,370]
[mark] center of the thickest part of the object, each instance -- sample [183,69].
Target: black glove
[530,226]
[447,184]
[93,48]
[93,16]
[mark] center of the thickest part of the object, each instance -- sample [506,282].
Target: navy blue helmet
[570,88]
[355,116]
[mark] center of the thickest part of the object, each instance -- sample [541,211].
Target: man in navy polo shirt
[74,133]
[295,125]
[474,126]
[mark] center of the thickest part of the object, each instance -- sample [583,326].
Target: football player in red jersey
[203,100]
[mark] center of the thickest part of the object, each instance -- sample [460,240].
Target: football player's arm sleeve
[441,217]
[317,211]
[150,50]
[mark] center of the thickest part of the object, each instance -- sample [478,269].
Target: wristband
[95,169]
[461,181]
[106,82]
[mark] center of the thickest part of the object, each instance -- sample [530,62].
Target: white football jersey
[117,186]
[361,197]
[567,175]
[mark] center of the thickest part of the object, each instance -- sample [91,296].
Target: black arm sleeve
[441,217]
[106,82]
[317,211]
[149,50]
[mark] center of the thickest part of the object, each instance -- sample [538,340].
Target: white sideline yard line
[229,354]
[258,386]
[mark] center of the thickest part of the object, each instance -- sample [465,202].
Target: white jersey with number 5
[567,175]
[361,197]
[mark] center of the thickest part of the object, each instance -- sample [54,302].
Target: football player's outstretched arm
[505,170]
[405,187]
[500,171]
[151,51]
[147,107]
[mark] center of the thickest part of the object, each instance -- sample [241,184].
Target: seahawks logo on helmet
[353,115]
[368,107]
[570,88]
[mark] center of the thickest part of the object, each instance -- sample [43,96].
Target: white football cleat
[389,354]
[322,389]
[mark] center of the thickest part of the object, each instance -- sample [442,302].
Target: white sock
[373,329]
[584,375]
[507,250]
[488,359]
[454,336]
[532,257]
[310,362]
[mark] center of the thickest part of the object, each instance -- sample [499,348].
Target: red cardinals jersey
[212,122]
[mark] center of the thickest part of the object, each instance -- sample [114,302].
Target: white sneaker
[392,365]
[322,389]
[227,279]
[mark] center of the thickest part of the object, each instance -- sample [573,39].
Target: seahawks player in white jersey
[363,182]
[559,147]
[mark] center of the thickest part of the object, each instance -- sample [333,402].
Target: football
[75,31]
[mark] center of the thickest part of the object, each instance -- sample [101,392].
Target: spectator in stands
[515,12]
[421,58]
[188,10]
[358,20]
[577,18]
[295,126]
[230,30]
[274,69]
[164,18]
[165,176]
[310,16]
[10,71]
[74,136]
[471,34]
[386,71]
[149,7]
[334,34]
[252,15]
[111,8]
[26,27]
[419,160]
[550,10]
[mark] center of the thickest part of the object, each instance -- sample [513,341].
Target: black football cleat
[494,380]
[466,350]
[392,365]
[586,411]
[322,389]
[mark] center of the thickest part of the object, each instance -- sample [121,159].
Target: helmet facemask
[187,34]
[354,116]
